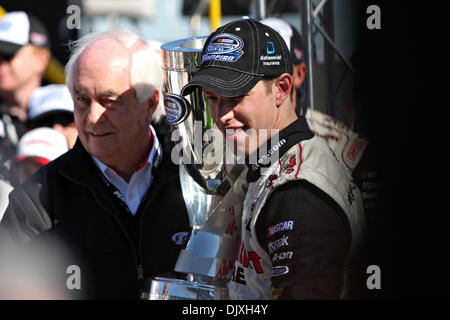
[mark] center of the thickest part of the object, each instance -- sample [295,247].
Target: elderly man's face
[112,124]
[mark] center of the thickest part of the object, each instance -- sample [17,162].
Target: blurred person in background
[115,197]
[294,42]
[36,271]
[35,149]
[52,106]
[24,57]
[5,189]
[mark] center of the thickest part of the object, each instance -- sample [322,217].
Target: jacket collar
[78,164]
[295,132]
[79,167]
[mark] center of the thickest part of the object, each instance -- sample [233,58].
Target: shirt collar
[295,132]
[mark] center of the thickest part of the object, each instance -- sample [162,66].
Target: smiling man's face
[244,120]
[113,126]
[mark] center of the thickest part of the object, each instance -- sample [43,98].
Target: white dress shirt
[140,181]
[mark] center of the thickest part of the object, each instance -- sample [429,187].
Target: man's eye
[108,101]
[211,98]
[82,99]
[237,99]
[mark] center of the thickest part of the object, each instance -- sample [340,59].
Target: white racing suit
[301,159]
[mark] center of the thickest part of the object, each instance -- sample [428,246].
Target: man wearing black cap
[24,56]
[302,215]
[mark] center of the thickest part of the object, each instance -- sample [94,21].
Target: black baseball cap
[238,55]
[19,28]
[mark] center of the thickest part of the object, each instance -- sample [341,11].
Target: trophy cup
[213,195]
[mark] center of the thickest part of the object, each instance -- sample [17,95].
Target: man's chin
[103,153]
[241,150]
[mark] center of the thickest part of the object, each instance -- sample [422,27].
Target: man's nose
[225,111]
[96,112]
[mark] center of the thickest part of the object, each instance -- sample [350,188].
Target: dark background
[416,209]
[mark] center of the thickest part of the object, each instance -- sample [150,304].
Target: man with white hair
[115,198]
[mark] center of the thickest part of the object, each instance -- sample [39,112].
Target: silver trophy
[213,195]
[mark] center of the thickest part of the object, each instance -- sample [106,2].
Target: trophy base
[176,289]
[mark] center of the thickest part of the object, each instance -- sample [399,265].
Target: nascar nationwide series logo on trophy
[212,194]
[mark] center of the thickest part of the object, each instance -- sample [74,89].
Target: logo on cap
[224,47]
[38,38]
[5,26]
[298,53]
[270,49]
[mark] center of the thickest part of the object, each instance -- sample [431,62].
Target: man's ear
[152,103]
[42,59]
[299,74]
[283,88]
